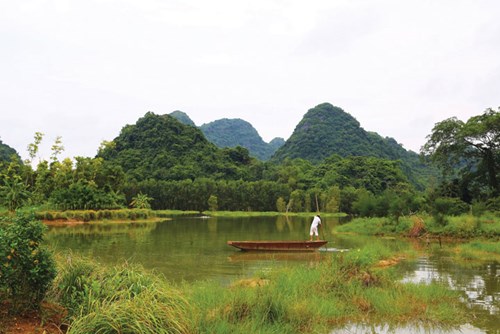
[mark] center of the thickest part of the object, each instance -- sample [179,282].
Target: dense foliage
[468,152]
[237,132]
[326,130]
[161,147]
[27,268]
[161,163]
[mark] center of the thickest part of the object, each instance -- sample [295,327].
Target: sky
[83,69]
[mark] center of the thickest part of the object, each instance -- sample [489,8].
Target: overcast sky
[84,69]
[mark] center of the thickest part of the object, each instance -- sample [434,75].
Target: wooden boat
[283,246]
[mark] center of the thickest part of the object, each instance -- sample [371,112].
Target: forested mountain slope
[160,147]
[6,152]
[326,130]
[237,132]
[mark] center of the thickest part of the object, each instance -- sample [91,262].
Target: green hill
[326,130]
[237,132]
[160,147]
[6,152]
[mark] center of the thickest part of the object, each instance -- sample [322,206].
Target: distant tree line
[162,163]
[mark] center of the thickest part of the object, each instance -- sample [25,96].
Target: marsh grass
[479,251]
[122,299]
[316,297]
[377,226]
[463,226]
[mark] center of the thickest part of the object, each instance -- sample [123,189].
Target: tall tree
[474,144]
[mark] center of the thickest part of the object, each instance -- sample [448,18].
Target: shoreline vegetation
[344,289]
[464,226]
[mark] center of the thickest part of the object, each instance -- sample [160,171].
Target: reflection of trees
[212,225]
[281,223]
[480,284]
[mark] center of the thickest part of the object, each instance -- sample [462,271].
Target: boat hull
[278,246]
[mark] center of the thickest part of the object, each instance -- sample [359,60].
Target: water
[193,249]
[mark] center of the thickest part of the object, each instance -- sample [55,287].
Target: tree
[141,201]
[56,149]
[13,193]
[280,204]
[474,145]
[212,203]
[34,147]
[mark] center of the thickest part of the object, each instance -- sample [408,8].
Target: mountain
[182,117]
[326,130]
[6,152]
[237,132]
[276,143]
[160,147]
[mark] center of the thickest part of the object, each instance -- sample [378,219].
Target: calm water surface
[194,248]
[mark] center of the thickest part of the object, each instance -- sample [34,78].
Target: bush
[447,206]
[27,268]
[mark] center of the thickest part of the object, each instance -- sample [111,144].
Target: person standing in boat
[315,225]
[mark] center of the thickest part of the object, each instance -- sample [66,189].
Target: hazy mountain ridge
[237,132]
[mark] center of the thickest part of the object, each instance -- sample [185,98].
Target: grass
[479,251]
[463,227]
[268,214]
[346,288]
[377,226]
[123,299]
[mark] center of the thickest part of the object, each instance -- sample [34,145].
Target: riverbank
[424,226]
[179,237]
[346,288]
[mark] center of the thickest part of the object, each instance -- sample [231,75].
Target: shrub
[27,268]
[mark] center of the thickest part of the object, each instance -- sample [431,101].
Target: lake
[194,248]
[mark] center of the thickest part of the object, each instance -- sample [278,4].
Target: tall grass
[122,299]
[315,298]
[346,288]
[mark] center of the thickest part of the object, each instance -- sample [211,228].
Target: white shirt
[316,221]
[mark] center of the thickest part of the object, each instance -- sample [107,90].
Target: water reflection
[410,329]
[191,249]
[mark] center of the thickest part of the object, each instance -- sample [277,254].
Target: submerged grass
[345,288]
